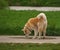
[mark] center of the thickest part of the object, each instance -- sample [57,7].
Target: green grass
[13,46]
[11,22]
[34,3]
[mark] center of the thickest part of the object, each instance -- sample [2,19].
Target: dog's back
[34,21]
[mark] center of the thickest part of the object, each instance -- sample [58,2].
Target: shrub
[34,2]
[3,4]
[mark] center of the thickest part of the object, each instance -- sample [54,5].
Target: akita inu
[37,24]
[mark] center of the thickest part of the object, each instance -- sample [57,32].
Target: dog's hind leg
[44,34]
[40,31]
[44,31]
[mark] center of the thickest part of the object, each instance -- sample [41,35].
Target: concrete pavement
[22,39]
[35,8]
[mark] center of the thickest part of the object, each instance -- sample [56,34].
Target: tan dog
[37,24]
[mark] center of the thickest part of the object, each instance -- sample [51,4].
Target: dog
[38,24]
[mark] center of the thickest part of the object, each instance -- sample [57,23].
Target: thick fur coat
[37,24]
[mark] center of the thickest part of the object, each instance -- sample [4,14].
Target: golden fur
[37,24]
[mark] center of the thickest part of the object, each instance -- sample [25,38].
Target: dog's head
[26,31]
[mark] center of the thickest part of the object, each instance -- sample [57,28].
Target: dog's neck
[28,28]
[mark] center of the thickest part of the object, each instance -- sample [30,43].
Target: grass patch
[11,21]
[18,46]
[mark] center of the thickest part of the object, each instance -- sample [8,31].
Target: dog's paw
[44,37]
[39,37]
[34,37]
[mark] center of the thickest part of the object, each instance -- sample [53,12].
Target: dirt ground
[22,39]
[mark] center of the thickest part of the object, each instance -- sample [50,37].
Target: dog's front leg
[35,34]
[39,37]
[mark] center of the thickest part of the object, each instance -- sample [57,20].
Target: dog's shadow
[31,38]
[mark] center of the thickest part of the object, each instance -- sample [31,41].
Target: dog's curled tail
[41,15]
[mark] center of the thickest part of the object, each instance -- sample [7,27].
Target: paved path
[35,8]
[22,39]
